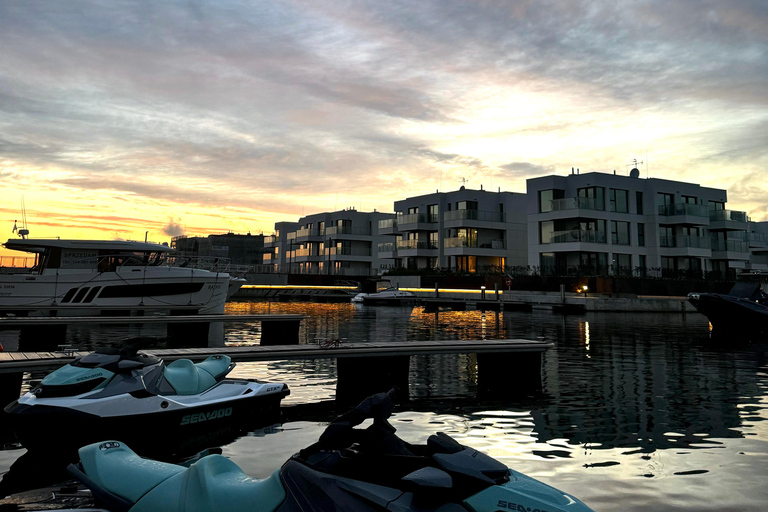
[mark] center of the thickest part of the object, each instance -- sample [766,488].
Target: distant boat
[744,309]
[386,296]
[93,277]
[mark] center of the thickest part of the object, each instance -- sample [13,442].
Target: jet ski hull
[147,421]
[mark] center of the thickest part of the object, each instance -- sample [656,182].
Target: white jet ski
[125,394]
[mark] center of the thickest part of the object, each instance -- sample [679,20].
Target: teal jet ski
[348,469]
[128,395]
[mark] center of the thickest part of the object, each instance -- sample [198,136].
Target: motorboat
[95,277]
[742,310]
[348,469]
[130,395]
[389,295]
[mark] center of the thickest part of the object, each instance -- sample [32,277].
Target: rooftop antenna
[463,181]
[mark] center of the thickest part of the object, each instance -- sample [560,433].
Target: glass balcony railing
[306,232]
[415,244]
[387,224]
[387,247]
[347,251]
[575,203]
[457,242]
[578,235]
[481,215]
[694,210]
[730,245]
[347,230]
[693,242]
[728,215]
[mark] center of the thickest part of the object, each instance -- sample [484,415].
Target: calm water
[638,412]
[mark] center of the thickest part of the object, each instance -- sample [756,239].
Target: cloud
[527,169]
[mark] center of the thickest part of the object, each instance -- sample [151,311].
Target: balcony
[417,221]
[698,246]
[348,251]
[576,203]
[684,213]
[730,246]
[388,226]
[347,230]
[757,240]
[387,250]
[415,244]
[306,234]
[459,218]
[578,235]
[727,220]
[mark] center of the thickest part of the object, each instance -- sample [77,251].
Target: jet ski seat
[126,481]
[188,378]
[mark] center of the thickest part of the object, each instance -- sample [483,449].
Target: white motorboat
[94,277]
[386,295]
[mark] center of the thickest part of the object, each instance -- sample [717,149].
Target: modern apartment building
[618,224]
[236,249]
[335,243]
[463,230]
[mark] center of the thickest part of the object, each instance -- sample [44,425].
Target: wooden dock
[27,361]
[24,321]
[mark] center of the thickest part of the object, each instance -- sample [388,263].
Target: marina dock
[504,366]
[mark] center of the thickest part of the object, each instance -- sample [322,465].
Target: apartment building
[333,243]
[463,230]
[237,249]
[624,224]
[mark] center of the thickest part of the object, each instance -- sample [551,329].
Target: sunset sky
[119,118]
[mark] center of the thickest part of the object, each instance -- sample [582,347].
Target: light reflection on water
[638,411]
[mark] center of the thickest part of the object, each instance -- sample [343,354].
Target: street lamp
[482,292]
[585,288]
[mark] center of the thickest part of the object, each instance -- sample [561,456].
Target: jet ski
[132,396]
[348,469]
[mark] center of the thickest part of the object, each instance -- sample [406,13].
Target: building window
[432,213]
[641,234]
[622,264]
[689,200]
[547,263]
[619,232]
[639,202]
[666,236]
[618,200]
[546,230]
[433,240]
[642,268]
[547,196]
[716,205]
[663,199]
[595,197]
[413,209]
[466,205]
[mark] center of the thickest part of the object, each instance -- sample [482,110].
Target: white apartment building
[333,243]
[618,224]
[463,230]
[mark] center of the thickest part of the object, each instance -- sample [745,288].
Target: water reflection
[627,399]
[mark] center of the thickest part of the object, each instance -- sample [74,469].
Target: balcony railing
[458,242]
[387,223]
[481,215]
[578,235]
[730,245]
[347,230]
[387,247]
[306,232]
[728,215]
[693,242]
[348,251]
[574,203]
[415,244]
[694,210]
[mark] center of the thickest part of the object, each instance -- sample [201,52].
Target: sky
[151,119]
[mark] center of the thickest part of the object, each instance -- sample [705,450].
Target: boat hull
[134,289]
[731,313]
